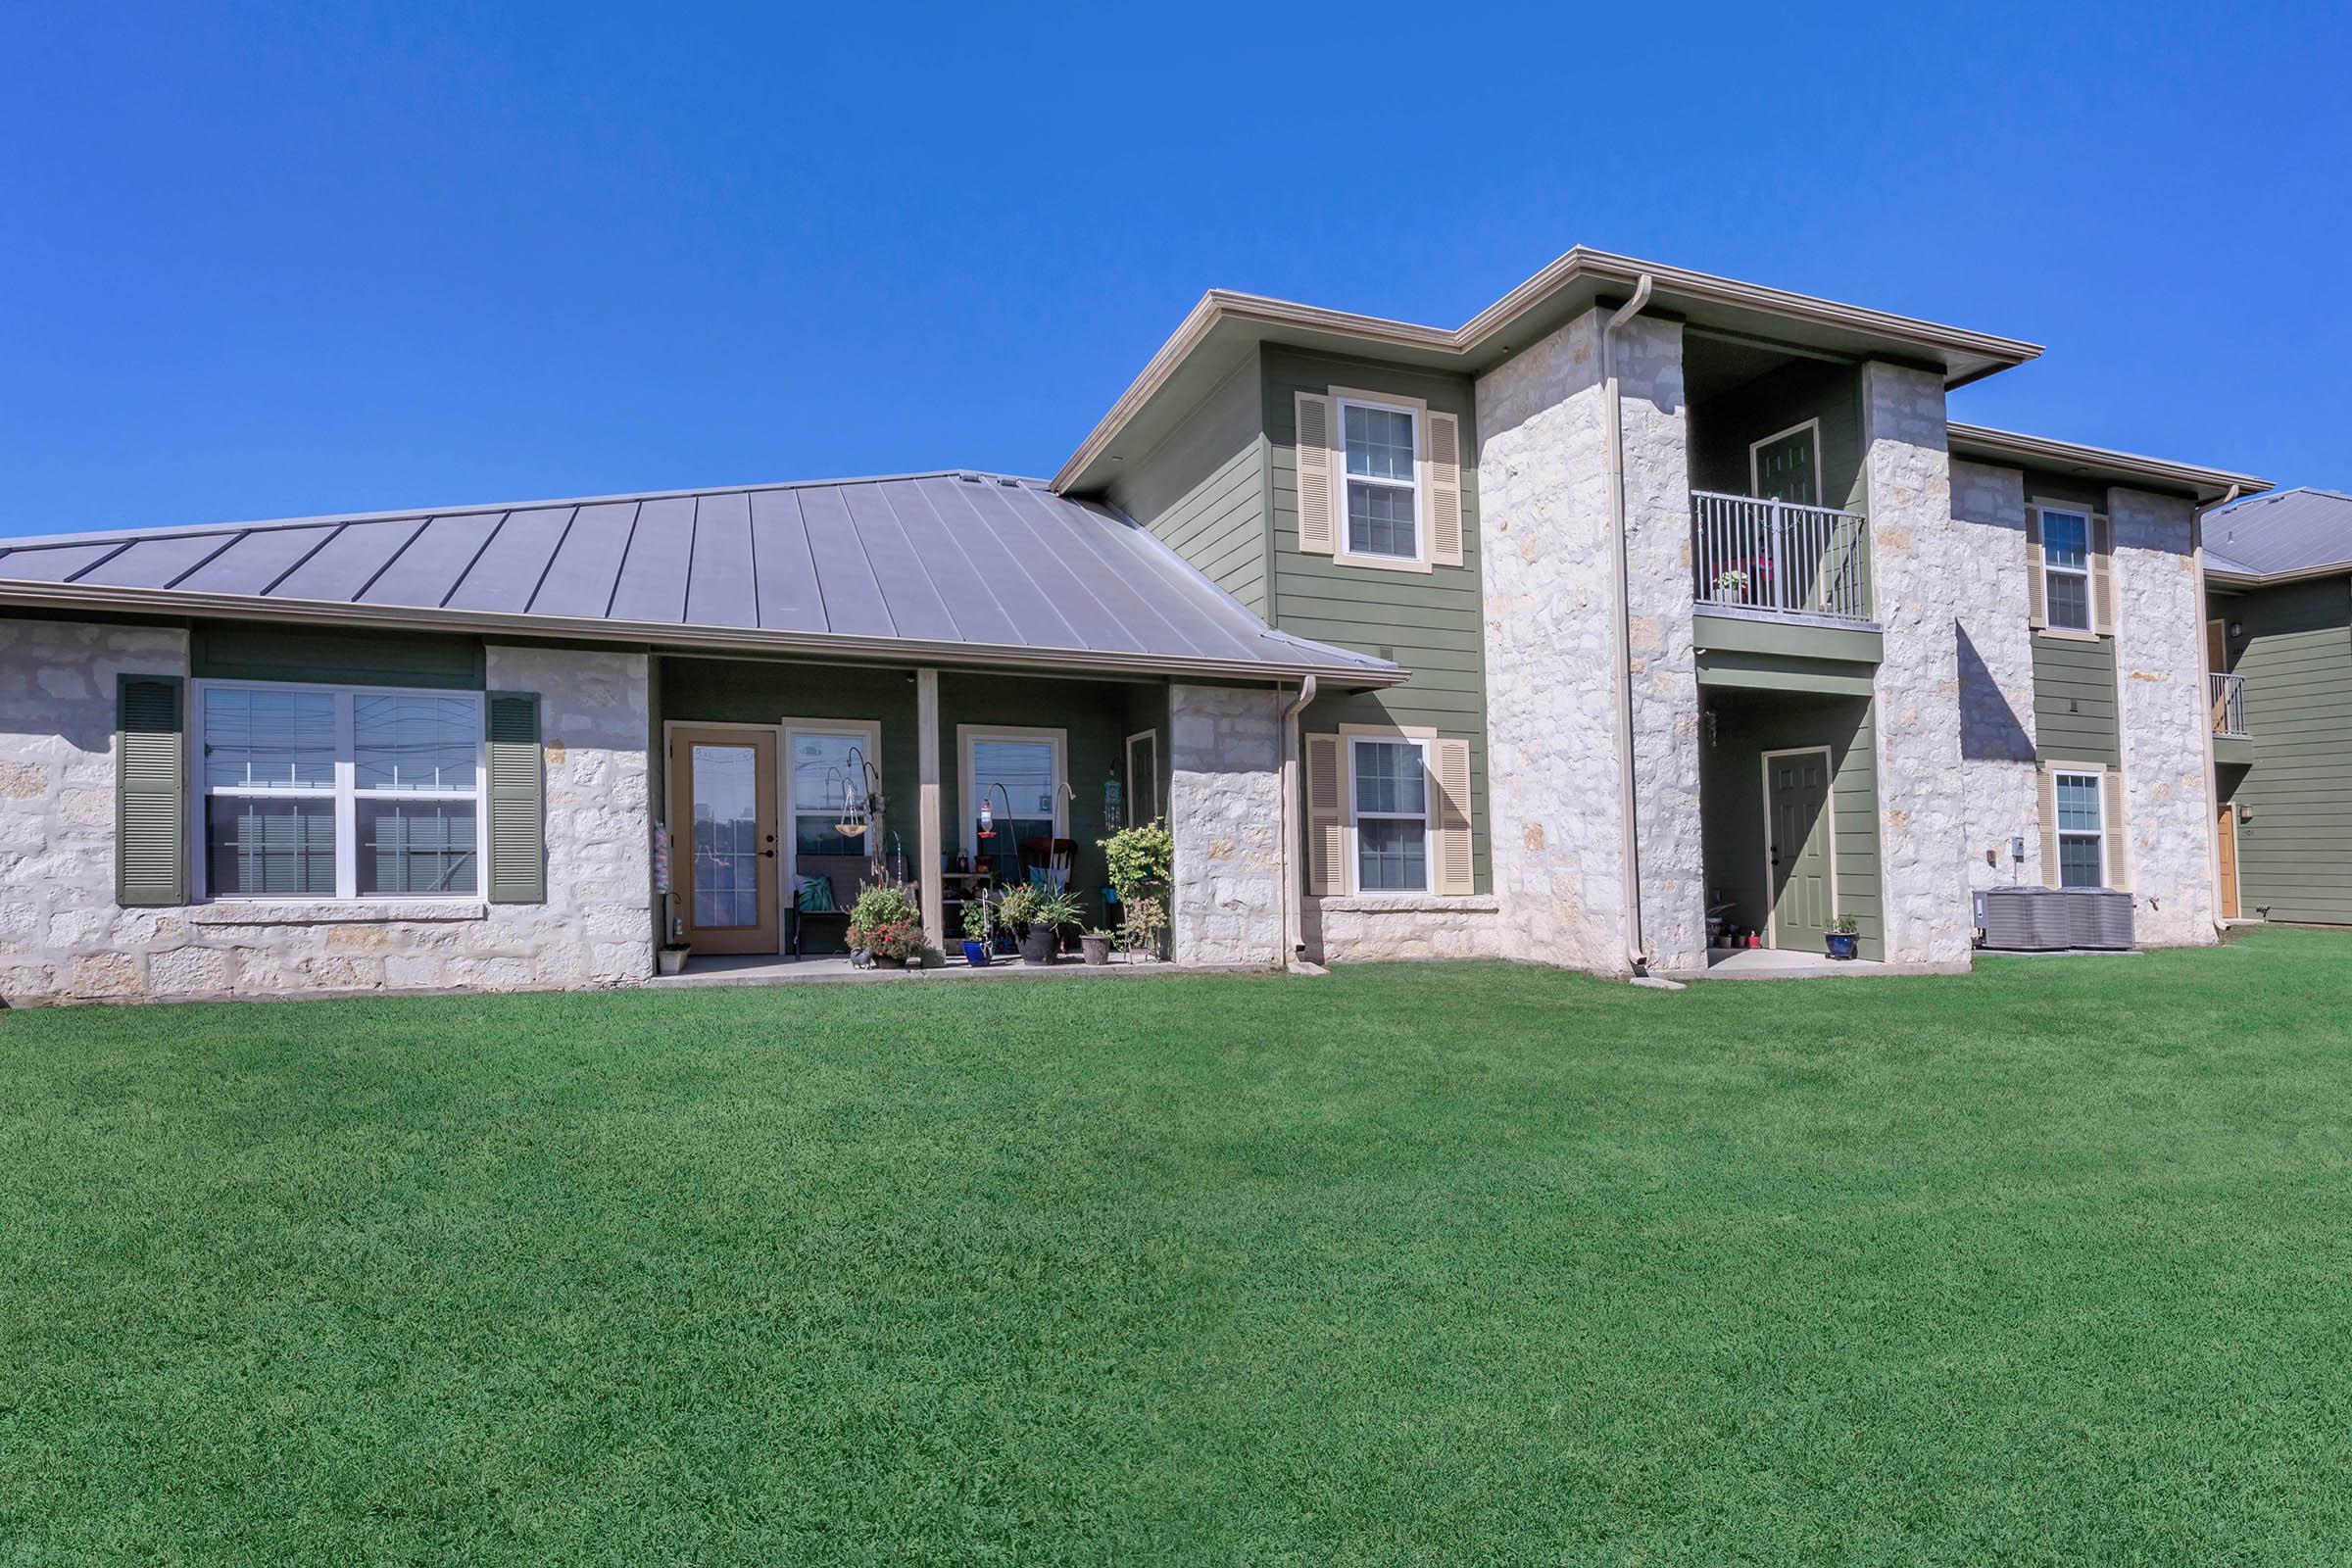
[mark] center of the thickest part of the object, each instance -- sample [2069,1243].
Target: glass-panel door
[725,835]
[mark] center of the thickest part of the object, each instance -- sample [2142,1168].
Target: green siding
[2074,700]
[1428,621]
[2295,857]
[1203,489]
[1723,427]
[1732,803]
[221,651]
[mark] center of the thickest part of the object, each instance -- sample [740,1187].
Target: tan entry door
[724,831]
[1796,814]
[2226,831]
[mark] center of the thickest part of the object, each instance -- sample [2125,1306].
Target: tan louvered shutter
[1318,470]
[2119,863]
[2049,828]
[518,800]
[151,863]
[1444,489]
[1326,839]
[2102,575]
[2037,609]
[1453,818]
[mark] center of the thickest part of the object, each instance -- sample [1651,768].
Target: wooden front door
[724,830]
[2226,837]
[1796,826]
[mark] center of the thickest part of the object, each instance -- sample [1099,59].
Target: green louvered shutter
[518,800]
[150,858]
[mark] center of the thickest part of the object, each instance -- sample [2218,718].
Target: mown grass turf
[1437,1263]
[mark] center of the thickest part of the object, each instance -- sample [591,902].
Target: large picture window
[1383,494]
[1389,780]
[1018,775]
[324,793]
[2082,830]
[2066,567]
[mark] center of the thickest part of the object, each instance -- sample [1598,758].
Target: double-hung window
[1389,781]
[2081,829]
[1380,447]
[1017,775]
[2066,567]
[312,792]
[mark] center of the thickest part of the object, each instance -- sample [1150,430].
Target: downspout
[1294,925]
[2213,772]
[1630,847]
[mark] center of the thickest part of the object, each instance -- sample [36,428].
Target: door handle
[771,854]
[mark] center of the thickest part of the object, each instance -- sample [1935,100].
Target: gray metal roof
[940,564]
[2282,534]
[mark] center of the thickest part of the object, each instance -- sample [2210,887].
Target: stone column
[1995,650]
[2162,716]
[1225,812]
[1916,556]
[1551,643]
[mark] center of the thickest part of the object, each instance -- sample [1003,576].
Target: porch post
[926,827]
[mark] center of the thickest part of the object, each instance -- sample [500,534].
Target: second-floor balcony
[1779,558]
[2227,697]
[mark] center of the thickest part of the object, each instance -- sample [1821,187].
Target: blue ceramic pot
[1842,944]
[975,954]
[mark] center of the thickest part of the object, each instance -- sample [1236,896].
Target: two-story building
[1646,604]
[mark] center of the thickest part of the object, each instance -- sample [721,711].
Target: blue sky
[273,261]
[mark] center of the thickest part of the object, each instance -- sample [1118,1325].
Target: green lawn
[1466,1263]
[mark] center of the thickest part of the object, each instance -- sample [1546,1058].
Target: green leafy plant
[1017,906]
[1138,859]
[1844,925]
[1146,919]
[1056,911]
[975,920]
[885,922]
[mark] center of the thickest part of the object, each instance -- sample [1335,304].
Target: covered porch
[784,786]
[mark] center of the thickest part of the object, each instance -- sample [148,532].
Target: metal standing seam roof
[2287,532]
[946,565]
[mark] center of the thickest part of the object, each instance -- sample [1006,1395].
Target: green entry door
[1796,808]
[1787,467]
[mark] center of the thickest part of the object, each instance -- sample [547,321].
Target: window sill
[335,911]
[1405,902]
[1346,558]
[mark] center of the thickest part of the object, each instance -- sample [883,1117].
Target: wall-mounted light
[2238,628]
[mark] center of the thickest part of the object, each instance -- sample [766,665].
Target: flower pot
[1039,946]
[1096,949]
[975,954]
[1842,943]
[669,961]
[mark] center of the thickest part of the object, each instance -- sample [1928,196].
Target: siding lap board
[2074,700]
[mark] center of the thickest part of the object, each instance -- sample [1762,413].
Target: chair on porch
[1049,862]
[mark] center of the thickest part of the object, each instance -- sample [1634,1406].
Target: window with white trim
[316,792]
[1017,775]
[1380,444]
[2066,567]
[1389,803]
[2081,829]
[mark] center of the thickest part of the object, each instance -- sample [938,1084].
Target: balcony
[1778,560]
[2227,695]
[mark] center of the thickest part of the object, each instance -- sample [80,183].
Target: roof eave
[102,599]
[2125,468]
[1968,355]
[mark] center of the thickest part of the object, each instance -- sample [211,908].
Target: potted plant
[1730,585]
[975,933]
[671,957]
[1141,861]
[1017,909]
[1054,912]
[1146,919]
[1844,933]
[885,922]
[1094,946]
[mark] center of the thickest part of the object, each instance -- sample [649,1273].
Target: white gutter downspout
[1630,849]
[2213,772]
[1294,923]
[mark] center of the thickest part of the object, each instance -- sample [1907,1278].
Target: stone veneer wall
[1551,715]
[1225,812]
[1988,592]
[2162,718]
[1367,927]
[62,937]
[1917,556]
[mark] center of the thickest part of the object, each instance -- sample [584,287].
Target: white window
[2081,829]
[315,792]
[1380,444]
[829,785]
[2066,567]
[1388,781]
[1018,775]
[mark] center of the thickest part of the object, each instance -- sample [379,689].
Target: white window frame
[2060,833]
[1424,743]
[1342,400]
[1135,785]
[1755,479]
[2044,511]
[868,735]
[967,735]
[345,793]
